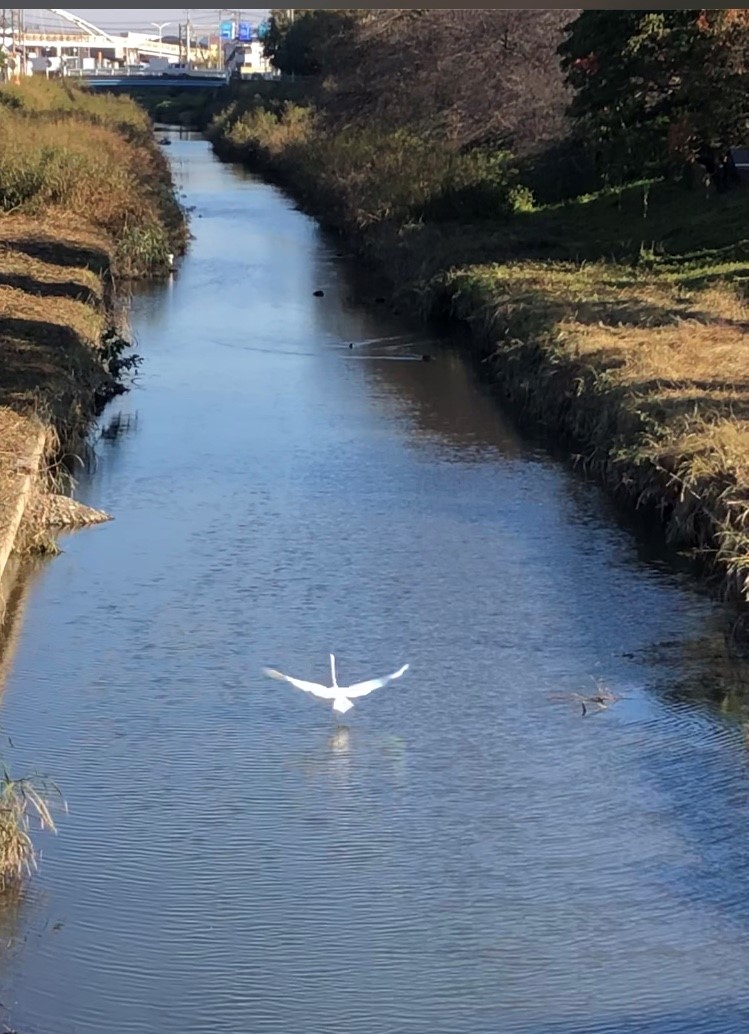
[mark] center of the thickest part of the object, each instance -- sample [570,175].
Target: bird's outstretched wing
[307,687]
[360,689]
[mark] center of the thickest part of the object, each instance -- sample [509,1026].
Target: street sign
[227,30]
[244,35]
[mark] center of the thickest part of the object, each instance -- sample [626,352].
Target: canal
[468,854]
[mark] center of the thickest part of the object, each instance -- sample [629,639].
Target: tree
[469,77]
[298,41]
[279,23]
[656,91]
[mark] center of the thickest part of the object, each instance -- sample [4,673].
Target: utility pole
[4,66]
[187,39]
[14,20]
[22,39]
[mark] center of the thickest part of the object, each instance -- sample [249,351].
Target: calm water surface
[468,854]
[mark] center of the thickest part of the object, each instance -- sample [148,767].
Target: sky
[142,18]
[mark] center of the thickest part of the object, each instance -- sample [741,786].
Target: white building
[246,59]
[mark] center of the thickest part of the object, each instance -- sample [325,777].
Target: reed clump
[24,804]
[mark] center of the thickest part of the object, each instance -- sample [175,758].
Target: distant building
[247,59]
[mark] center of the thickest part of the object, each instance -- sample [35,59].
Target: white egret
[340,695]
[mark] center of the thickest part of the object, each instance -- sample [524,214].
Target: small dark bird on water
[351,345]
[319,294]
[427,358]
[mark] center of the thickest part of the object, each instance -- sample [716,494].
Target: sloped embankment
[86,199]
[617,320]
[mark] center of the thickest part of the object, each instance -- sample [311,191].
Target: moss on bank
[616,319]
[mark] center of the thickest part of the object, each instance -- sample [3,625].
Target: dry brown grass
[65,152]
[21,802]
[648,378]
[62,240]
[52,318]
[53,311]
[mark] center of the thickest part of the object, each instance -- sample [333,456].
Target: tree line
[637,93]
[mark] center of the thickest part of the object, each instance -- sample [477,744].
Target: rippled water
[468,855]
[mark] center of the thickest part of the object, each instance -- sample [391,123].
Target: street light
[160,26]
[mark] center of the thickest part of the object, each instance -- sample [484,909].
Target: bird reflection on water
[340,741]
[347,755]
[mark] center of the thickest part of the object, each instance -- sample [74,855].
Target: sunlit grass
[67,152]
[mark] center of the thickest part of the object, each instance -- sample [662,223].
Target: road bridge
[167,80]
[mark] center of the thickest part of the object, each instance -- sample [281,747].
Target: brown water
[469,854]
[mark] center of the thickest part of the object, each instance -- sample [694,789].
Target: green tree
[298,41]
[279,22]
[656,91]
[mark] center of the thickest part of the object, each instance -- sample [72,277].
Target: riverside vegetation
[556,181]
[86,201]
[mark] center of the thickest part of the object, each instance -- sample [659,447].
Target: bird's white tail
[342,705]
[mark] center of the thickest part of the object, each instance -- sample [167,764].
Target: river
[467,853]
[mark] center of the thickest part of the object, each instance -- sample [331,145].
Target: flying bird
[340,695]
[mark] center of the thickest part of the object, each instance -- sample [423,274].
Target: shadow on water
[18,581]
[118,425]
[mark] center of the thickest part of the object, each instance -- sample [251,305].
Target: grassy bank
[86,201]
[617,319]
